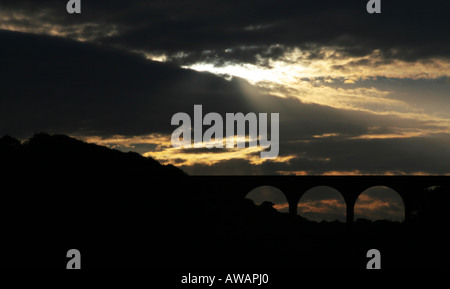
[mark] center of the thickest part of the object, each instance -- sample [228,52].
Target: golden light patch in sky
[399,132]
[294,173]
[342,173]
[321,206]
[296,64]
[325,135]
[282,207]
[297,75]
[191,157]
[117,141]
[166,154]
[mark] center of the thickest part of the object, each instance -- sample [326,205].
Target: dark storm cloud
[61,86]
[395,156]
[407,155]
[65,86]
[218,31]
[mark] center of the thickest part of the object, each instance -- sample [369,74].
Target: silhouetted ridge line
[63,152]
[125,210]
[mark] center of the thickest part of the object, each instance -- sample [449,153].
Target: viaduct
[410,188]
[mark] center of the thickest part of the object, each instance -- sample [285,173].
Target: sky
[357,93]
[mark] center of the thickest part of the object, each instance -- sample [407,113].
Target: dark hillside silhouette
[53,151]
[124,210]
[60,192]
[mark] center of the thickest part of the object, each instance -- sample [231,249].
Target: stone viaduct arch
[390,191]
[323,193]
[410,188]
